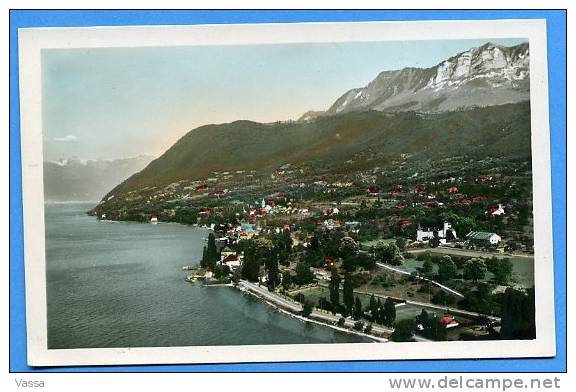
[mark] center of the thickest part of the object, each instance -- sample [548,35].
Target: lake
[121,284]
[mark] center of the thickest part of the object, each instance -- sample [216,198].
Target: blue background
[556,24]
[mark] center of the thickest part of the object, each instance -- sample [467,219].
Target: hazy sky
[122,102]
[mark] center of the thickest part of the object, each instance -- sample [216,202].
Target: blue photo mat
[556,26]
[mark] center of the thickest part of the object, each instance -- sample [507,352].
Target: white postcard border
[32,41]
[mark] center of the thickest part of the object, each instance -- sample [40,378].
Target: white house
[484,238]
[495,211]
[445,234]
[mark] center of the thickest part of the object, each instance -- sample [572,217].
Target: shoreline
[278,306]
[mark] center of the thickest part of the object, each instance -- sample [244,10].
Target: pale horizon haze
[110,103]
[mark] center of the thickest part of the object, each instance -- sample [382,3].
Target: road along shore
[293,309]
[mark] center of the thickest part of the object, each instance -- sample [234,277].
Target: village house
[246,231]
[205,211]
[330,224]
[233,261]
[402,223]
[321,274]
[483,238]
[332,211]
[225,252]
[373,190]
[449,321]
[395,192]
[446,234]
[495,211]
[304,211]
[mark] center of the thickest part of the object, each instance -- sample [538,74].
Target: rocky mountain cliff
[484,76]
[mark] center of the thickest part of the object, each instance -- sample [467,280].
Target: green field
[523,266]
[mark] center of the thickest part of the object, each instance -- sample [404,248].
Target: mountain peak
[481,76]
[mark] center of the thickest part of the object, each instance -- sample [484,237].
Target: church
[446,234]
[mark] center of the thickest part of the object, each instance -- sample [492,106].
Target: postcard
[286,192]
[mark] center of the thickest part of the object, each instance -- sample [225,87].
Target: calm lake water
[122,285]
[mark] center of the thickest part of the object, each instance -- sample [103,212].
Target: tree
[334,287]
[348,248]
[358,313]
[475,269]
[211,253]
[441,298]
[379,315]
[389,254]
[273,275]
[221,271]
[401,243]
[348,293]
[502,270]
[262,248]
[303,274]
[323,303]
[389,312]
[423,318]
[307,308]
[250,267]
[373,308]
[286,280]
[434,242]
[446,269]
[518,313]
[434,330]
[427,267]
[314,243]
[404,331]
[204,258]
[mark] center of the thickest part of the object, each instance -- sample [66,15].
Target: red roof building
[465,202]
[404,222]
[447,319]
[452,189]
[373,189]
[401,205]
[479,198]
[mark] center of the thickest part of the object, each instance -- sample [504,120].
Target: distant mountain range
[475,103]
[484,76]
[80,180]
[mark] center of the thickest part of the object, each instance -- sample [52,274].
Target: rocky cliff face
[484,76]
